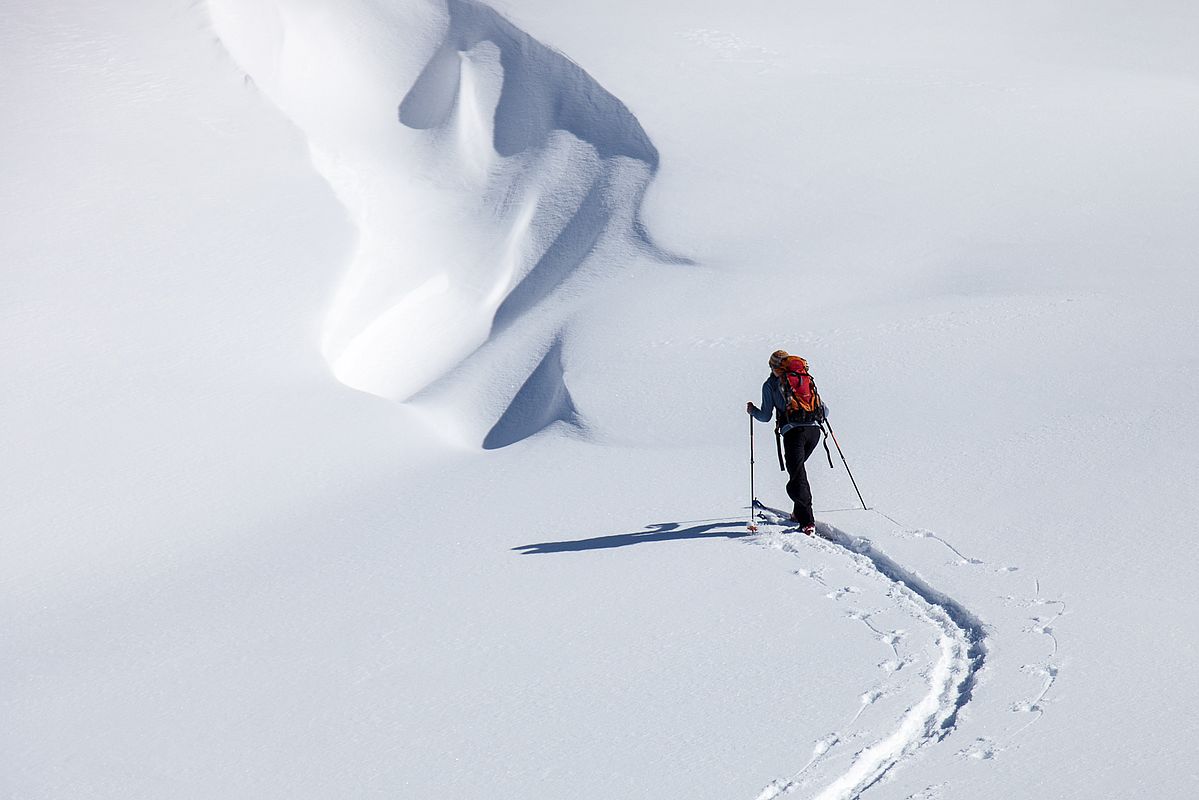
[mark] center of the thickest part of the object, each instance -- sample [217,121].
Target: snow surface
[374,388]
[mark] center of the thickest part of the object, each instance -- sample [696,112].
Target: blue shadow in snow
[658,532]
[542,91]
[541,401]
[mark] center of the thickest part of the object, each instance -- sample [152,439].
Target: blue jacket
[773,403]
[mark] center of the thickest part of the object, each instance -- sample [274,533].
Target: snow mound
[492,181]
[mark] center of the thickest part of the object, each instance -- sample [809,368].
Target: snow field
[235,234]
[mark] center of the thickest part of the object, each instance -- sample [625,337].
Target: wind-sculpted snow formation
[491,182]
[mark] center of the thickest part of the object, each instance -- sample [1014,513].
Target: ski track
[961,639]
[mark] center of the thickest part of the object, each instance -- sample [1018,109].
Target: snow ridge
[961,639]
[491,181]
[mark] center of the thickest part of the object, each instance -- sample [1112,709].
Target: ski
[775,516]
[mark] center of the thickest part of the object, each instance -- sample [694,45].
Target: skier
[790,396]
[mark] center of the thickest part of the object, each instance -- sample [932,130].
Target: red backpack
[799,391]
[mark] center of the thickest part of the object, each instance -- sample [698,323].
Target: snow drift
[435,304]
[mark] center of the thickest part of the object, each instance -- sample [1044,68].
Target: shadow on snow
[657,532]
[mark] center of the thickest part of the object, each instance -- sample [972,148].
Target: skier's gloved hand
[749,407]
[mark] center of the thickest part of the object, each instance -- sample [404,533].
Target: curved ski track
[961,639]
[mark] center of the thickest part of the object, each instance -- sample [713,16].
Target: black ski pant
[798,444]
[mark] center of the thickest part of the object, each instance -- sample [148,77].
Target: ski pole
[778,445]
[753,497]
[846,463]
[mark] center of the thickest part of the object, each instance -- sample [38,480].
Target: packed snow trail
[961,640]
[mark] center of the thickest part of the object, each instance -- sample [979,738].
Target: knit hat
[777,358]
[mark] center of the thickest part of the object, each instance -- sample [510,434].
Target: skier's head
[777,358]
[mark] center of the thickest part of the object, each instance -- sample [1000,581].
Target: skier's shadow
[657,532]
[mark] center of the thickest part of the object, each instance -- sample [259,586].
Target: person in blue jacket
[801,434]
